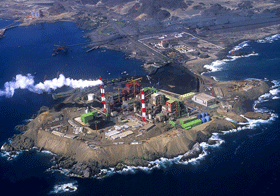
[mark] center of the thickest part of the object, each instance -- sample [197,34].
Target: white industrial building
[90,97]
[204,99]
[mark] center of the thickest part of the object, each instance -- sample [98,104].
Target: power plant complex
[120,111]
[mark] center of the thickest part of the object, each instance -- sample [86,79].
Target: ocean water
[246,161]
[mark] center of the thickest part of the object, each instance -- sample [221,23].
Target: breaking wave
[27,82]
[269,39]
[273,94]
[64,188]
[10,155]
[163,162]
[240,46]
[218,64]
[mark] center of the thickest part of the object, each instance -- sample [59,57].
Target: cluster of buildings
[131,112]
[142,108]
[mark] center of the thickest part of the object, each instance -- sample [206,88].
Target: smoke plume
[27,82]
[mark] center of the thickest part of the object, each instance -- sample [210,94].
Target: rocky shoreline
[95,168]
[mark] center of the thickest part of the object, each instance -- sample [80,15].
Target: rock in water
[120,167]
[193,153]
[83,170]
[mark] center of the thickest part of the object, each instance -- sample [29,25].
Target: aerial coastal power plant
[164,112]
[121,111]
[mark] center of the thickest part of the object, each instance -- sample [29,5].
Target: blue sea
[246,160]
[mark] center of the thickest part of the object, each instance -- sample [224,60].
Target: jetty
[2,31]
[10,26]
[93,48]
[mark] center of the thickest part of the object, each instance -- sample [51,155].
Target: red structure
[103,99]
[143,106]
[129,89]
[171,106]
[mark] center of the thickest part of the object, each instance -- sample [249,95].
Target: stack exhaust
[143,106]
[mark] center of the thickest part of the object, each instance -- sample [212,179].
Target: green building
[88,116]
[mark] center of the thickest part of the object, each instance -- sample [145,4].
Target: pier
[10,26]
[2,31]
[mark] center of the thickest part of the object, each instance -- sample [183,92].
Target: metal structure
[103,99]
[132,86]
[143,106]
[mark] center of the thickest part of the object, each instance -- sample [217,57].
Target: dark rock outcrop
[201,137]
[153,8]
[215,9]
[137,162]
[19,142]
[204,55]
[57,8]
[21,128]
[7,147]
[43,109]
[193,153]
[245,5]
[257,115]
[120,167]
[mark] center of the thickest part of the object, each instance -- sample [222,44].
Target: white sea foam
[48,152]
[27,120]
[240,46]
[274,91]
[270,39]
[66,187]
[163,162]
[276,83]
[10,155]
[218,64]
[27,82]
[230,120]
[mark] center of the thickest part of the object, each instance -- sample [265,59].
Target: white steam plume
[27,82]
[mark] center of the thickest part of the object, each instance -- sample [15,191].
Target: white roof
[204,96]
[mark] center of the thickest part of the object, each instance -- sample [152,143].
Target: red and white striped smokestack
[103,99]
[143,106]
[102,91]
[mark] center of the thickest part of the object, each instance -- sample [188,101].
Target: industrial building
[123,112]
[204,99]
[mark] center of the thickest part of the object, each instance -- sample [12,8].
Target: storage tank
[90,97]
[202,114]
[203,120]
[198,116]
[207,118]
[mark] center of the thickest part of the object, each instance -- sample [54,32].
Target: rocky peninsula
[169,39]
[162,140]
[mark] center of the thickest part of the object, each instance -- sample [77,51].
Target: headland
[90,134]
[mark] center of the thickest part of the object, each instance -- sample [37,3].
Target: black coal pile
[172,78]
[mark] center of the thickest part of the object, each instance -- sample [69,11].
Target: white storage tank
[90,97]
